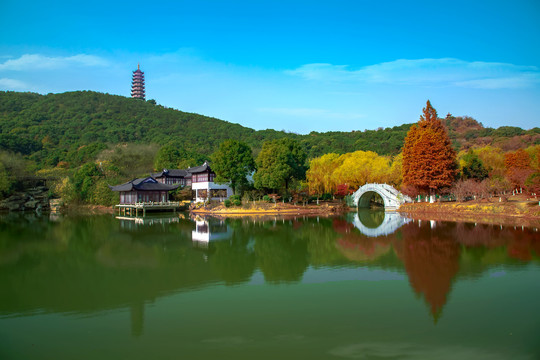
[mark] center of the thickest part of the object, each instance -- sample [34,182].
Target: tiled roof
[186,173]
[172,172]
[198,169]
[145,184]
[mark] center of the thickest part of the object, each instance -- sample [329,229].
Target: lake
[367,285]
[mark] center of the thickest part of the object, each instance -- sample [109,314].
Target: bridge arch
[392,199]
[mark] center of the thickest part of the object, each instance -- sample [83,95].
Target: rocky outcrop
[33,199]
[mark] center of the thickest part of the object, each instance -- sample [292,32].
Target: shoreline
[516,213]
[326,209]
[513,212]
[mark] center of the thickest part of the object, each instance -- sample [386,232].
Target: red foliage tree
[518,167]
[429,161]
[343,190]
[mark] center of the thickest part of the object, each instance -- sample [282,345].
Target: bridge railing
[388,192]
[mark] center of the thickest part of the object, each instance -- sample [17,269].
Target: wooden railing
[149,204]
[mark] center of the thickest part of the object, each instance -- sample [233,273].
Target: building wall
[132,197]
[209,185]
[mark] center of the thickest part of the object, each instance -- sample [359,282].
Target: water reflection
[134,222]
[208,230]
[374,223]
[91,264]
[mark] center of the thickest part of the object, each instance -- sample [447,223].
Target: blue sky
[298,66]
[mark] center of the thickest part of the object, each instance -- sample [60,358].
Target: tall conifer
[429,161]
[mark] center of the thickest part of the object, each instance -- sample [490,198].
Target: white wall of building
[209,185]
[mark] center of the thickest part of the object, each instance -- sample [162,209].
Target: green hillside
[75,126]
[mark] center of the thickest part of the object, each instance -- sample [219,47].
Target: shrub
[267,198]
[326,196]
[227,203]
[237,202]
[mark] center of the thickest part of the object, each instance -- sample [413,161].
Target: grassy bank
[264,208]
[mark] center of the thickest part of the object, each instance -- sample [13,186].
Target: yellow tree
[493,160]
[320,173]
[429,161]
[361,167]
[396,170]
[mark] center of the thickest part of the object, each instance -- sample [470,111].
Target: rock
[32,199]
[30,204]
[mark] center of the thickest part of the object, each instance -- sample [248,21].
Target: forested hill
[54,127]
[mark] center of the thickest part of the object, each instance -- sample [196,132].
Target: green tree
[83,181]
[175,156]
[5,181]
[130,160]
[472,167]
[429,161]
[233,162]
[280,162]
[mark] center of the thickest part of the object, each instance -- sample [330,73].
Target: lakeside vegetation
[82,141]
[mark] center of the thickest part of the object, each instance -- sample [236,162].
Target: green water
[362,286]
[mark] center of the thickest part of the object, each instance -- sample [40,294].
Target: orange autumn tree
[518,167]
[429,161]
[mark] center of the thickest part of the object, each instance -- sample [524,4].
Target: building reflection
[209,230]
[134,222]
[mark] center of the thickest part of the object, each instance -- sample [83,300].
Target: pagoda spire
[137,84]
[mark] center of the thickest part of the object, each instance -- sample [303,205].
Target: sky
[298,66]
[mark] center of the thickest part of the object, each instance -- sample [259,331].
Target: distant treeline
[74,127]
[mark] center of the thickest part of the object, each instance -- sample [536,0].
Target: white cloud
[427,72]
[39,62]
[13,84]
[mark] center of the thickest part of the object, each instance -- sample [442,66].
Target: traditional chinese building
[143,191]
[200,178]
[172,177]
[202,182]
[137,84]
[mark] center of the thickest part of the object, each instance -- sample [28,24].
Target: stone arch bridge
[392,198]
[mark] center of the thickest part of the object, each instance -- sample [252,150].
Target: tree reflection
[90,264]
[431,259]
[357,247]
[524,244]
[281,259]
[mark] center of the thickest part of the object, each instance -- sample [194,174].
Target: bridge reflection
[375,223]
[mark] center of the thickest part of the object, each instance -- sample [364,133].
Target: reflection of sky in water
[496,274]
[324,275]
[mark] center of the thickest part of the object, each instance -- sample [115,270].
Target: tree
[472,167]
[5,181]
[518,167]
[232,163]
[174,156]
[492,158]
[429,161]
[83,181]
[279,162]
[361,167]
[320,173]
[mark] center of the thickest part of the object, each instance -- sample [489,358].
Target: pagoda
[137,84]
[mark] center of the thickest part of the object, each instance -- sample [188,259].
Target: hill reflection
[96,263]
